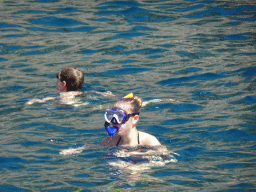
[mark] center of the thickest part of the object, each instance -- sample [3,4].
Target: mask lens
[119,115]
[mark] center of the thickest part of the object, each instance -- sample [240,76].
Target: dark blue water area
[11,36]
[41,125]
[245,72]
[77,29]
[124,71]
[45,30]
[46,1]
[178,121]
[17,164]
[15,87]
[33,47]
[175,107]
[34,53]
[128,12]
[12,163]
[11,188]
[247,100]
[58,22]
[252,53]
[234,135]
[122,3]
[251,71]
[235,37]
[202,77]
[69,9]
[223,11]
[81,29]
[168,173]
[194,7]
[3,25]
[88,51]
[134,13]
[130,34]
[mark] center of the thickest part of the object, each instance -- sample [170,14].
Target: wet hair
[135,103]
[74,78]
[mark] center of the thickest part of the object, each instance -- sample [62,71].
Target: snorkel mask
[116,116]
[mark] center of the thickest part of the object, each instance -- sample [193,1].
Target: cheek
[126,125]
[58,84]
[123,127]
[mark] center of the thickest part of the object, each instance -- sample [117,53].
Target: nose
[114,121]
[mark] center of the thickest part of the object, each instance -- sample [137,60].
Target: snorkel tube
[111,130]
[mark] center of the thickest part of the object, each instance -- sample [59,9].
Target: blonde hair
[139,102]
[135,102]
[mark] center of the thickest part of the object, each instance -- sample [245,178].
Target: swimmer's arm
[156,101]
[156,150]
[105,94]
[157,146]
[71,151]
[32,101]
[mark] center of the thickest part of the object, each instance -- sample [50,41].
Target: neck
[131,139]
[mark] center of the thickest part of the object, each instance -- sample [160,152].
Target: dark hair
[74,78]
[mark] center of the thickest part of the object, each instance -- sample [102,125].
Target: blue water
[197,56]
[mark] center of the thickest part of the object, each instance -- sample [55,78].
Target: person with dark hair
[69,81]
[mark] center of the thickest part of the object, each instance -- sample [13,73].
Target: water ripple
[195,58]
[177,81]
[54,21]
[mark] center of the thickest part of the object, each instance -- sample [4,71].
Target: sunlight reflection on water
[196,57]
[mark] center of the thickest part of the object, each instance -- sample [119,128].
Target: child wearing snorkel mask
[69,81]
[124,117]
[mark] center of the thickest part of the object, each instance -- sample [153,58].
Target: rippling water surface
[197,56]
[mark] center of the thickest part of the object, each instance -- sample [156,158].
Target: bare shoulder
[148,139]
[110,141]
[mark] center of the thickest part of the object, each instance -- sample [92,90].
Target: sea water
[196,58]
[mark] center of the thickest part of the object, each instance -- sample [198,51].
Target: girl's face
[124,127]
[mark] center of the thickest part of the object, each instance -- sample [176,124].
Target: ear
[136,119]
[64,83]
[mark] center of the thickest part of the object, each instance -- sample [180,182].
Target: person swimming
[69,81]
[124,117]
